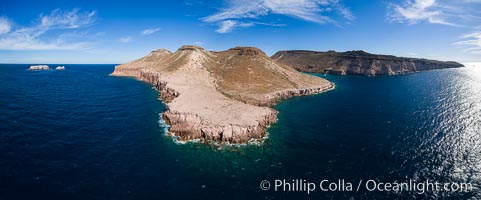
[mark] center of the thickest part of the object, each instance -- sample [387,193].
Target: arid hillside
[220,96]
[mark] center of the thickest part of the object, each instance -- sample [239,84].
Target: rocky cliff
[220,96]
[356,63]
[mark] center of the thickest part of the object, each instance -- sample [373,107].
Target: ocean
[82,134]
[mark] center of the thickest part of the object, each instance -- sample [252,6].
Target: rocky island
[39,67]
[220,96]
[356,63]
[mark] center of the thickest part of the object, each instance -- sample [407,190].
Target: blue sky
[120,31]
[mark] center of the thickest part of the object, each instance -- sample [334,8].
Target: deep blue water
[81,134]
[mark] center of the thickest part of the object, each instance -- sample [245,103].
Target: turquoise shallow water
[81,134]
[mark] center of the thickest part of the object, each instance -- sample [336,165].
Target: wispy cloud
[32,37]
[227,26]
[150,31]
[317,11]
[73,19]
[470,42]
[444,12]
[126,39]
[5,25]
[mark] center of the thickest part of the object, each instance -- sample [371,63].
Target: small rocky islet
[226,96]
[44,67]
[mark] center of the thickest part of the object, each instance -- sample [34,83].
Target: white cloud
[309,10]
[470,42]
[5,25]
[32,37]
[415,11]
[445,12]
[125,39]
[150,31]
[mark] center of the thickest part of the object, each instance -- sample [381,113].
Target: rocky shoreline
[188,126]
[197,108]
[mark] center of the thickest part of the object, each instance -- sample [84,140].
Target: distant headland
[357,63]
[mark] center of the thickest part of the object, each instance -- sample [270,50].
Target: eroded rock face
[357,63]
[187,126]
[190,48]
[248,51]
[153,77]
[221,96]
[285,94]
